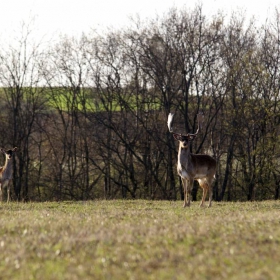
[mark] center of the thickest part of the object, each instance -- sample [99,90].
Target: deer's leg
[210,193]
[203,184]
[189,189]
[184,182]
[8,193]
[210,196]
[205,190]
[1,193]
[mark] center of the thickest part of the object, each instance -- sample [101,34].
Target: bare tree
[19,77]
[66,75]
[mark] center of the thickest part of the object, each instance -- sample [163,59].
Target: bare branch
[200,118]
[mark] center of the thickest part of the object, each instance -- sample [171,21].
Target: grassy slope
[139,240]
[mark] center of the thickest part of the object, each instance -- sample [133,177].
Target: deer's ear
[14,149]
[177,136]
[2,150]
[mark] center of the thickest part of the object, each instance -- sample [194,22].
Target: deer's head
[9,153]
[184,139]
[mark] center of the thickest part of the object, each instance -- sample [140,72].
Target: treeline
[88,114]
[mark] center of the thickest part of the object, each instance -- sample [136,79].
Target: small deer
[192,167]
[6,172]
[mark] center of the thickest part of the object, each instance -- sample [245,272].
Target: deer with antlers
[192,167]
[6,172]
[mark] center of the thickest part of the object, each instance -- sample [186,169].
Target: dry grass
[139,240]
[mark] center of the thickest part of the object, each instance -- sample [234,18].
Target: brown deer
[6,172]
[192,167]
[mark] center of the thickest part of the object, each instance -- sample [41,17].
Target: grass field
[139,240]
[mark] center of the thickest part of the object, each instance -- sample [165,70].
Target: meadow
[139,239]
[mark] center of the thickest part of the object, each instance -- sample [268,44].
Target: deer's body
[6,173]
[192,167]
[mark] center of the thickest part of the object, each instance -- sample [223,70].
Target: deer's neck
[7,169]
[184,157]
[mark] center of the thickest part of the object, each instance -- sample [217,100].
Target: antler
[200,118]
[169,122]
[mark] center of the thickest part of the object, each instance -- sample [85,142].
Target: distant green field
[87,99]
[92,102]
[139,240]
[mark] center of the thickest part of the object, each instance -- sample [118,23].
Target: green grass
[139,240]
[63,99]
[87,99]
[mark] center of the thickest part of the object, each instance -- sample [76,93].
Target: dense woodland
[88,114]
